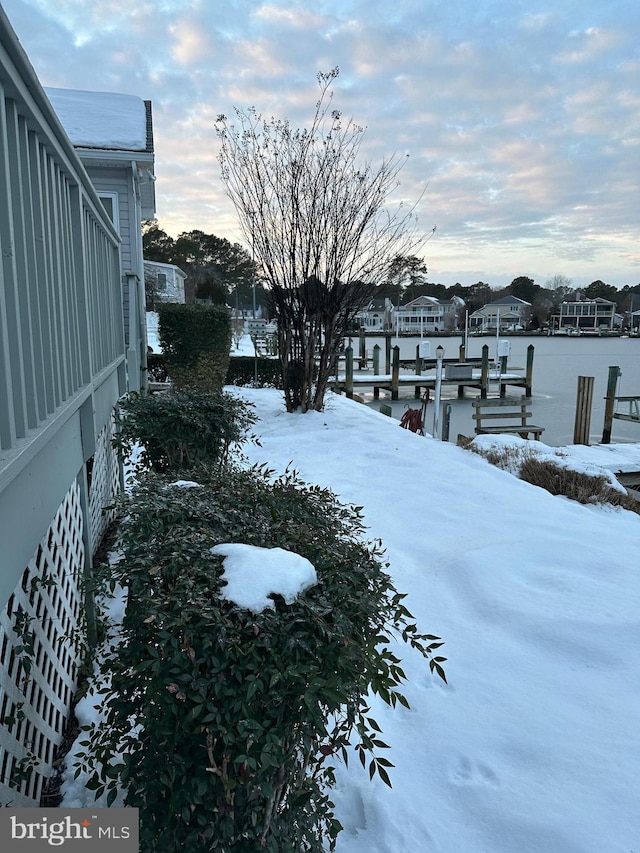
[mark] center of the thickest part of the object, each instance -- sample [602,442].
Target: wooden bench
[513,410]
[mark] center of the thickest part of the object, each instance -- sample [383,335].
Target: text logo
[88,830]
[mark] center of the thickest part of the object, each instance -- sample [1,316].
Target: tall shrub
[240,716]
[196,341]
[181,430]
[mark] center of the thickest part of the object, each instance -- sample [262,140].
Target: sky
[532,745]
[521,119]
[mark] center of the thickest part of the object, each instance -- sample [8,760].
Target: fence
[62,369]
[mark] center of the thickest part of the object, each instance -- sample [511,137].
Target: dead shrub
[584,488]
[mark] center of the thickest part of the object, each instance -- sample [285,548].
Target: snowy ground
[533,745]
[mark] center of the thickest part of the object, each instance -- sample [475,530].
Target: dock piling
[584,403]
[610,403]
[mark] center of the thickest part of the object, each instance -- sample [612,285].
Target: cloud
[522,118]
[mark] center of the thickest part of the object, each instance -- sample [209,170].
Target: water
[558,361]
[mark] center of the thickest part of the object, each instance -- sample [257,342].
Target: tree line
[222,272]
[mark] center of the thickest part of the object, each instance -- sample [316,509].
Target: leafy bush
[181,430]
[156,369]
[239,715]
[195,340]
[242,371]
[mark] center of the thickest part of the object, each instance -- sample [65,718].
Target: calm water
[558,362]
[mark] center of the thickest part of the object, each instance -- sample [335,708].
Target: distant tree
[524,288]
[404,272]
[598,289]
[213,263]
[477,295]
[542,307]
[157,245]
[437,291]
[214,266]
[320,227]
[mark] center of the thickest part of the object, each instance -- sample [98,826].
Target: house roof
[109,129]
[159,266]
[584,299]
[508,300]
[104,120]
[378,303]
[421,300]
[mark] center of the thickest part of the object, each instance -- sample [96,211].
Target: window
[162,281]
[110,204]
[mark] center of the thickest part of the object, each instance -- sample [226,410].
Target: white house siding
[168,281]
[62,369]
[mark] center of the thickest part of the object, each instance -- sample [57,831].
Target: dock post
[610,403]
[376,369]
[503,369]
[363,351]
[395,372]
[484,375]
[529,375]
[416,390]
[348,384]
[446,421]
[583,410]
[387,353]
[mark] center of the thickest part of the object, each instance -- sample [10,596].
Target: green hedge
[156,370]
[241,716]
[242,371]
[195,340]
[182,429]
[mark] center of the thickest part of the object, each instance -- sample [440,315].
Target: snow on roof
[252,574]
[101,119]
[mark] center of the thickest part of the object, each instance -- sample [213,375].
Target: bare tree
[319,226]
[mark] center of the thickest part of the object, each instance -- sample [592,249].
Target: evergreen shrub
[242,371]
[240,716]
[156,370]
[181,430]
[196,341]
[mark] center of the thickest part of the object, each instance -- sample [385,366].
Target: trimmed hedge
[242,371]
[239,715]
[195,340]
[181,430]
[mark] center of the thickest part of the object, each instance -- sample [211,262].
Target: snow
[153,331]
[575,458]
[101,119]
[253,574]
[532,746]
[185,484]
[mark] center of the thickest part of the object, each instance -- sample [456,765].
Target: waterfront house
[427,314]
[507,313]
[583,314]
[376,316]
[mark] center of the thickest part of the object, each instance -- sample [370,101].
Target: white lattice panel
[54,610]
[104,484]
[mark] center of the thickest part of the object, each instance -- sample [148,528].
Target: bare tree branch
[319,225]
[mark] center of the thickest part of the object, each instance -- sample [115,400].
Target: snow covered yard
[533,744]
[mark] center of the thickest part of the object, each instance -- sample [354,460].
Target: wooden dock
[460,373]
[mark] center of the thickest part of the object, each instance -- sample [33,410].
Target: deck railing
[62,369]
